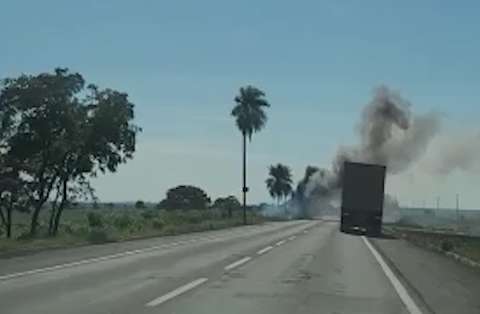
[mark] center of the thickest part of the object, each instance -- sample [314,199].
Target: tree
[140,204]
[229,204]
[279,182]
[185,197]
[250,117]
[60,133]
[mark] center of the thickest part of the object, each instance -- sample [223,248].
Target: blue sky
[182,62]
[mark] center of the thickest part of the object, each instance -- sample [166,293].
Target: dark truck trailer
[362,198]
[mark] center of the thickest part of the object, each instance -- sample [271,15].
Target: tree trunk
[244,190]
[51,219]
[34,220]
[44,195]
[57,221]
[53,213]
[60,208]
[2,217]
[9,220]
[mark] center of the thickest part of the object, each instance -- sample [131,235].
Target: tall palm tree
[279,182]
[250,118]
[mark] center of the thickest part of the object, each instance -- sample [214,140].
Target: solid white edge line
[90,260]
[174,293]
[238,263]
[82,262]
[265,250]
[280,243]
[401,291]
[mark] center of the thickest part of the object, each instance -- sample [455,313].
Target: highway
[289,267]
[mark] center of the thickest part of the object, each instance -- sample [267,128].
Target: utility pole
[438,202]
[457,210]
[244,177]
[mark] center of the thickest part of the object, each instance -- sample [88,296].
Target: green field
[92,226]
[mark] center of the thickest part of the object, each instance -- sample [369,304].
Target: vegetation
[279,182]
[140,204]
[185,197]
[57,132]
[83,226]
[227,204]
[250,117]
[463,245]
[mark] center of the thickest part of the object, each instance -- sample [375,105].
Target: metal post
[457,210]
[244,188]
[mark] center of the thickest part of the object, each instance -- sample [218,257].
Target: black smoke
[389,134]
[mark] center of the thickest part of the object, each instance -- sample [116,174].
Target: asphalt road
[293,267]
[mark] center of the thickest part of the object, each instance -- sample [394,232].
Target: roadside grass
[463,245]
[95,226]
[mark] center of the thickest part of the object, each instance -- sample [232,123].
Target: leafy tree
[279,182]
[140,204]
[229,204]
[250,117]
[185,197]
[61,133]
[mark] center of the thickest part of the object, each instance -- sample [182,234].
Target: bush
[42,230]
[68,228]
[24,236]
[447,245]
[97,236]
[123,222]
[138,225]
[158,223]
[95,220]
[81,230]
[148,214]
[140,204]
[170,230]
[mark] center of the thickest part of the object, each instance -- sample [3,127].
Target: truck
[363,188]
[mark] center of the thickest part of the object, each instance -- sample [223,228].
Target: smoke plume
[456,152]
[389,134]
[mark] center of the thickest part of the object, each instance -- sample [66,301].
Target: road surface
[291,267]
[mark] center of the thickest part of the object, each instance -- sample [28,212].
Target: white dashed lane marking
[265,250]
[238,263]
[172,294]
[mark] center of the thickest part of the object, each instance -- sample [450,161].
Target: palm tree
[250,118]
[279,182]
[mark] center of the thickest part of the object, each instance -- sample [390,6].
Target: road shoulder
[443,285]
